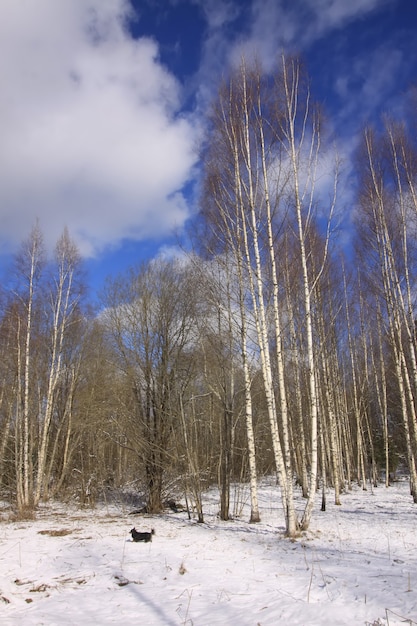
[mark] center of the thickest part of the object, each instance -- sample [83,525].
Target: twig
[311,581]
[186,618]
[404,619]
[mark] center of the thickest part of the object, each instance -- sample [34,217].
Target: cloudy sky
[102,103]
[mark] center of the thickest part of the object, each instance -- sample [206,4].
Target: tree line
[261,351]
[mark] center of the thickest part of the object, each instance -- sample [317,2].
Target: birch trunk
[396,310]
[253,479]
[291,92]
[62,305]
[292,522]
[30,263]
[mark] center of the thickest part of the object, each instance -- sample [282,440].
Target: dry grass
[56,533]
[23,515]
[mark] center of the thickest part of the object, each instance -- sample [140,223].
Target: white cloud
[278,25]
[333,14]
[218,13]
[91,136]
[362,94]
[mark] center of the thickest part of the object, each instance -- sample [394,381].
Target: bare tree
[224,345]
[386,203]
[8,391]
[150,318]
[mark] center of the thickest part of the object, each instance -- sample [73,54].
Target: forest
[264,349]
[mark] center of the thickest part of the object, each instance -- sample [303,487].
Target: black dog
[136,536]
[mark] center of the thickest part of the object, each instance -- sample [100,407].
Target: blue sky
[103,104]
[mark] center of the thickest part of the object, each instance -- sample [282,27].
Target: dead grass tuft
[55,533]
[27,514]
[39,588]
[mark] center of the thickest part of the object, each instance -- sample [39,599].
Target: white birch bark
[227,225]
[253,478]
[331,427]
[397,315]
[242,235]
[62,305]
[292,522]
[294,146]
[30,262]
[257,290]
[18,440]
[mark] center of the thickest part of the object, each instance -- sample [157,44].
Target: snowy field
[356,565]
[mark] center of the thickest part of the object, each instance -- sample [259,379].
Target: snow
[357,564]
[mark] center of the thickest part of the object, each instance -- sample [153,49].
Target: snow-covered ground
[356,565]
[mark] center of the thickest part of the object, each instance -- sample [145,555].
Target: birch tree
[64,298]
[301,130]
[386,203]
[30,262]
[230,208]
[268,145]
